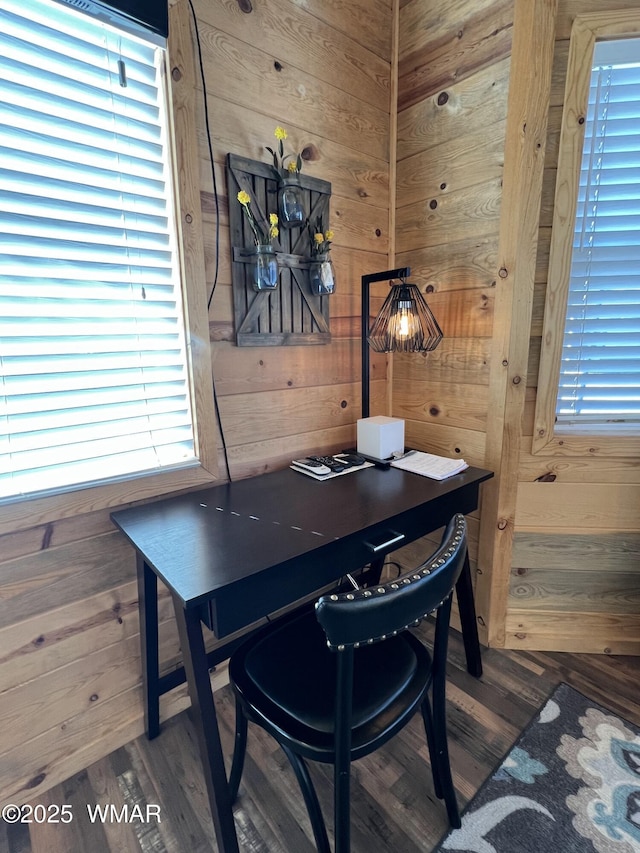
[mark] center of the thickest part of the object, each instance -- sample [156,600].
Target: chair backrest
[364,616]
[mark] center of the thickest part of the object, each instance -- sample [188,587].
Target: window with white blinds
[94,382]
[599,380]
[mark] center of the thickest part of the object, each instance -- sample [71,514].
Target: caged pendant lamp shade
[404,324]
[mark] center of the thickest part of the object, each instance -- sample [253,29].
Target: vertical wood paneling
[527,109]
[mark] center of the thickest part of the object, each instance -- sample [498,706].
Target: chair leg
[239,751]
[342,805]
[310,799]
[427,718]
[442,751]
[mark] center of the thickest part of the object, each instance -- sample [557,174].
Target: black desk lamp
[405,323]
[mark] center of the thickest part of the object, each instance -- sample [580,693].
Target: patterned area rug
[571,784]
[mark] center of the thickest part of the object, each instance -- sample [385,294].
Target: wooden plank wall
[69,667]
[69,661]
[561,568]
[453,80]
[575,578]
[322,71]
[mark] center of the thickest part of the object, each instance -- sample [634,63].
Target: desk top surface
[208,539]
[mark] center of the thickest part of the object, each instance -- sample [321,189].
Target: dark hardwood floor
[394,809]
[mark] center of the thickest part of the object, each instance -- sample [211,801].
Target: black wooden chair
[334,684]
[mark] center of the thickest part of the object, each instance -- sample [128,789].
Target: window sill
[31,512]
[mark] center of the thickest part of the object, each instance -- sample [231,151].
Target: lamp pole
[367,281]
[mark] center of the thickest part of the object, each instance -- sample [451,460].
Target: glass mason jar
[264,268]
[322,280]
[291,203]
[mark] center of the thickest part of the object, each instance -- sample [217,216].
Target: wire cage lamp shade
[405,323]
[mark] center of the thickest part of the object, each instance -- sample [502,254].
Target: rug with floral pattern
[571,784]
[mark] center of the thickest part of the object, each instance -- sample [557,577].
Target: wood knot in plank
[310,153]
[46,537]
[36,780]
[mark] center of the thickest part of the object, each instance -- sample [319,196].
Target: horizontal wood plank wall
[454,70]
[575,578]
[560,587]
[327,80]
[69,660]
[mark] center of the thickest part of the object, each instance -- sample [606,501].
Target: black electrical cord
[217,207]
[211,160]
[397,566]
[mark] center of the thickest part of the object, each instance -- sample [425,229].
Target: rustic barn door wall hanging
[290,314]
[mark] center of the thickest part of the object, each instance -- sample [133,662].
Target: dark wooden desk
[239,551]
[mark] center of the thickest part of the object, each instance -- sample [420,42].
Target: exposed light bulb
[402,323]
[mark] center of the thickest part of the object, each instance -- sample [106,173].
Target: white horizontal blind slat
[94,380]
[600,363]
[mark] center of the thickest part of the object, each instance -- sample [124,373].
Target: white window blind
[600,364]
[94,382]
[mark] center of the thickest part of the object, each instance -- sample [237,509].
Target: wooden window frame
[31,512]
[547,438]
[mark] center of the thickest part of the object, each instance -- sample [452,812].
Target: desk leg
[148,609]
[467,610]
[377,566]
[206,724]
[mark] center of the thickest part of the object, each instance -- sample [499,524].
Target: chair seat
[286,677]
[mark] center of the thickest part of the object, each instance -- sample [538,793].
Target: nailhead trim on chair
[421,571]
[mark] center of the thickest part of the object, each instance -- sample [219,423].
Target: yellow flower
[260,234]
[320,241]
[281,161]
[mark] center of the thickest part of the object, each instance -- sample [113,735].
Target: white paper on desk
[429,465]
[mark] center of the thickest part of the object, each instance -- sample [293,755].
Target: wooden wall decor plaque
[290,315]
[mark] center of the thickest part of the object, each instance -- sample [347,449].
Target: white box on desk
[380,437]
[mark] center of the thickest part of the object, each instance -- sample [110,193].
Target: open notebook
[429,465]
